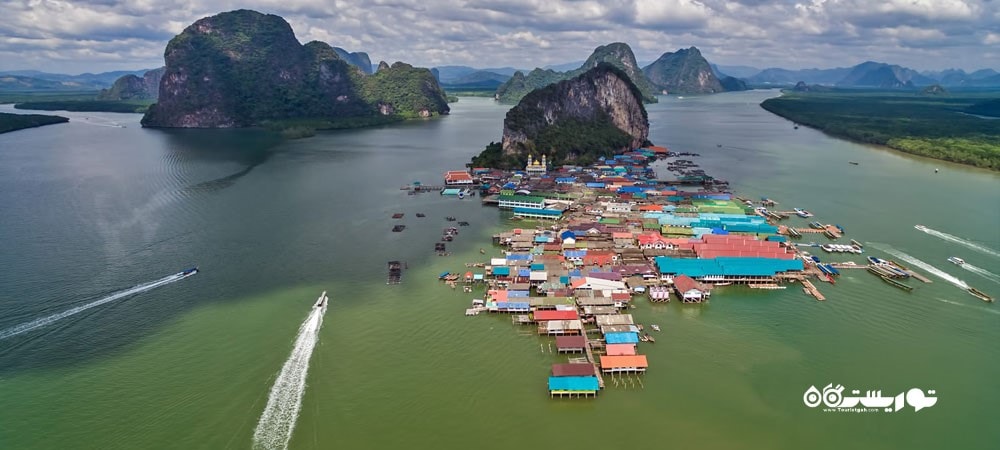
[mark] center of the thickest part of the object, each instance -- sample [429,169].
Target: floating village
[592,240]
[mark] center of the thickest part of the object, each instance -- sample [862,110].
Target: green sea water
[89,209]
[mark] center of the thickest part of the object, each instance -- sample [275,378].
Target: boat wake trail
[960,241]
[916,262]
[951,302]
[274,429]
[982,272]
[41,322]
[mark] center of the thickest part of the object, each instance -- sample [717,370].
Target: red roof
[651,238]
[572,370]
[571,342]
[546,315]
[620,349]
[620,296]
[457,175]
[657,149]
[598,258]
[685,283]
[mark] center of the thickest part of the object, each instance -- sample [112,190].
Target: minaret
[545,165]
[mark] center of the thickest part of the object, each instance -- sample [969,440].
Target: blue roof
[513,305]
[575,253]
[501,271]
[517,294]
[595,185]
[564,280]
[519,257]
[621,338]
[565,179]
[575,273]
[568,234]
[588,384]
[523,272]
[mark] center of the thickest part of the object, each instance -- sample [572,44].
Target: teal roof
[573,384]
[503,271]
[726,266]
[623,337]
[539,211]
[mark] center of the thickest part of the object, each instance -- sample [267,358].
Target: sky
[103,35]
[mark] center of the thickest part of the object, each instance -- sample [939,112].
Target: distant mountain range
[871,74]
[33,80]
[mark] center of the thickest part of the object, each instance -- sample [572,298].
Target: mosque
[536,167]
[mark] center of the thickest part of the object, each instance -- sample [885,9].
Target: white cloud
[92,35]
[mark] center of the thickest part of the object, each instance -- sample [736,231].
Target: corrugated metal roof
[547,315]
[621,338]
[612,362]
[575,384]
[620,349]
[571,342]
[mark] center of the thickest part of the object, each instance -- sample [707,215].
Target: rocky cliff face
[131,87]
[356,59]
[683,72]
[242,68]
[617,54]
[599,111]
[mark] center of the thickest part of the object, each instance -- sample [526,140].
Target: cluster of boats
[841,248]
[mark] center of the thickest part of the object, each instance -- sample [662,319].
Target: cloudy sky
[99,35]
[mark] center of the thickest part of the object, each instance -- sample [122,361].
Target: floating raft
[395,272]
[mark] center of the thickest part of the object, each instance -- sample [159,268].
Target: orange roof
[621,235]
[612,362]
[657,149]
[650,207]
[499,295]
[620,349]
[549,314]
[578,283]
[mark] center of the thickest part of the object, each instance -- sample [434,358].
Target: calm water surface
[89,209]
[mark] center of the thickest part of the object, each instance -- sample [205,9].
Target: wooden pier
[810,289]
[592,360]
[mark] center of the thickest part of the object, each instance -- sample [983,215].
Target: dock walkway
[811,290]
[597,370]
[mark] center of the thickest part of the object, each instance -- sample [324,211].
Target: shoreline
[886,145]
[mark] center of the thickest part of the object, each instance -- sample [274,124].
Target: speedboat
[321,301]
[802,213]
[190,271]
[920,227]
[655,327]
[956,260]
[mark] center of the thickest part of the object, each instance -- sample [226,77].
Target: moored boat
[895,283]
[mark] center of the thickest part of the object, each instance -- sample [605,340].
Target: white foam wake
[982,272]
[277,422]
[960,241]
[41,322]
[927,267]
